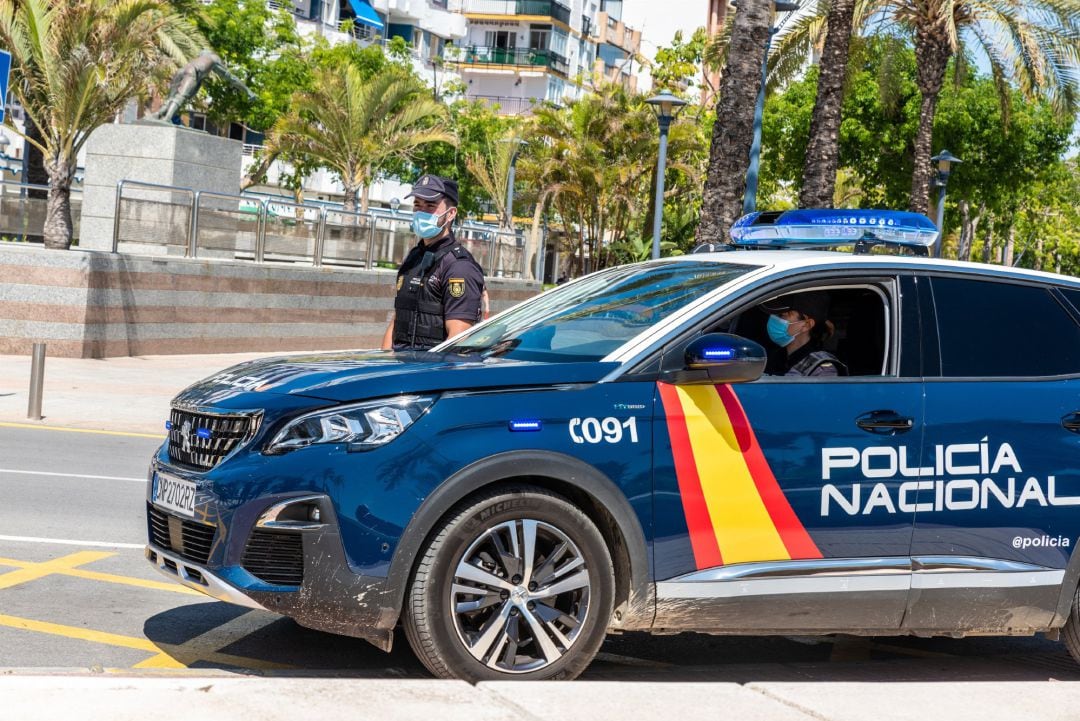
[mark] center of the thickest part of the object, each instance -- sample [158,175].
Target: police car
[568,468]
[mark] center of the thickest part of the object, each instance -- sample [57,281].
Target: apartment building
[517,53]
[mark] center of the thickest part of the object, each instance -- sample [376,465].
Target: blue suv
[619,454]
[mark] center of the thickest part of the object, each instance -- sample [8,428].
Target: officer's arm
[388,336]
[454,326]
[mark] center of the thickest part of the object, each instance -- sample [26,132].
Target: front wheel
[513,584]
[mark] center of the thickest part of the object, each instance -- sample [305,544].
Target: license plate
[175,494]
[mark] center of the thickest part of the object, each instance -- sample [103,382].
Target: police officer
[798,323]
[440,286]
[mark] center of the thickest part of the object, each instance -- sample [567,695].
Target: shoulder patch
[456,286]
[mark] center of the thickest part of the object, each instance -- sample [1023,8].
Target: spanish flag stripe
[744,529]
[702,537]
[794,535]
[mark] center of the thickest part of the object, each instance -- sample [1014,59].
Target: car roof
[788,260]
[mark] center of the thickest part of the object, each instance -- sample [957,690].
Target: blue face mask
[426,225]
[778,331]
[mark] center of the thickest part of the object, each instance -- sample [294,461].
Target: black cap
[433,187]
[814,304]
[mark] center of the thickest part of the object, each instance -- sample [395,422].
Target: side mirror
[720,358]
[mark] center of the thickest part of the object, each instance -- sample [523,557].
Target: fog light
[313,514]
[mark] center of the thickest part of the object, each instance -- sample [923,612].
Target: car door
[996,518]
[780,504]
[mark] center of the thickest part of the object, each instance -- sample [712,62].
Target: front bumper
[329,596]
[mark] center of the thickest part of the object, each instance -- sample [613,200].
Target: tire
[1071,633]
[511,626]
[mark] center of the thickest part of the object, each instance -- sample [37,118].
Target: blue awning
[365,15]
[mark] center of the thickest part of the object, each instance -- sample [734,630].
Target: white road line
[69,542]
[73,475]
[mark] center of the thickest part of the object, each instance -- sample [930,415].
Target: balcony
[542,8]
[507,105]
[518,57]
[613,31]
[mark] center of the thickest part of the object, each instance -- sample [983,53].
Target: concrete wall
[88,304]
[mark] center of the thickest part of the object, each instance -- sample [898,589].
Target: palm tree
[822,158]
[1032,44]
[75,65]
[355,127]
[729,157]
[492,171]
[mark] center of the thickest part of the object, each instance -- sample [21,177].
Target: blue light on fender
[526,426]
[823,227]
[719,353]
[168,425]
[204,433]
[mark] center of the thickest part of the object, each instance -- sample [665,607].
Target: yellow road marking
[207,646]
[81,430]
[82,634]
[32,572]
[67,570]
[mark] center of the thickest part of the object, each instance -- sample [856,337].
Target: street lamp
[944,161]
[666,106]
[395,203]
[750,196]
[511,178]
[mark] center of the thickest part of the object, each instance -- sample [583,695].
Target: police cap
[434,187]
[813,304]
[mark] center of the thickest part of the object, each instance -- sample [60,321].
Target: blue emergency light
[719,353]
[829,227]
[526,425]
[204,433]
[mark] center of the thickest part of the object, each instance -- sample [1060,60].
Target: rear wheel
[515,584]
[1071,633]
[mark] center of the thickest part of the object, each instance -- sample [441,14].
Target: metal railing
[23,209]
[532,57]
[508,105]
[167,220]
[545,8]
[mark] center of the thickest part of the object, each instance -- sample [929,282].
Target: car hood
[353,376]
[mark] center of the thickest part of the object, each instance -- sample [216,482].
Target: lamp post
[750,196]
[944,161]
[666,106]
[4,143]
[511,178]
[395,203]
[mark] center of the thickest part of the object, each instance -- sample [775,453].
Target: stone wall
[88,304]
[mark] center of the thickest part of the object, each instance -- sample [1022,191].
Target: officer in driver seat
[440,286]
[799,324]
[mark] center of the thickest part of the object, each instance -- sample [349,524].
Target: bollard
[37,380]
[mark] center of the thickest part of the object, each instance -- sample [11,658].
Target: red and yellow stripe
[735,509]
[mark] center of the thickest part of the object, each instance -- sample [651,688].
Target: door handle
[1071,422]
[886,422]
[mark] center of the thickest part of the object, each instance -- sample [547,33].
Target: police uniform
[809,362]
[435,283]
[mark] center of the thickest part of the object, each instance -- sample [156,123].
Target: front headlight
[361,425]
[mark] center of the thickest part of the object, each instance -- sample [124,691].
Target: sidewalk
[112,394]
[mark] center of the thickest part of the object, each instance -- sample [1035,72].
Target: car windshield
[591,317]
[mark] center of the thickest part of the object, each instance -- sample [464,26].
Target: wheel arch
[591,490]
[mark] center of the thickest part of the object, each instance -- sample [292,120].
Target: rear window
[990,328]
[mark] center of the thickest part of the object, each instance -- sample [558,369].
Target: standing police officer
[440,286]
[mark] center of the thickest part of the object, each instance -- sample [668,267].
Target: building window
[539,37]
[503,39]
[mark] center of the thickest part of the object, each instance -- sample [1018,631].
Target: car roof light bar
[860,228]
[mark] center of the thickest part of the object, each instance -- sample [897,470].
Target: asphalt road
[76,594]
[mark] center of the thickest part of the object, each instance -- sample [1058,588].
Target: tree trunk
[1040,245]
[532,250]
[349,203]
[365,195]
[58,228]
[257,173]
[822,154]
[969,225]
[1010,247]
[733,132]
[988,241]
[932,52]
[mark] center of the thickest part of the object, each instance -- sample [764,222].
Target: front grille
[202,440]
[275,557]
[191,540]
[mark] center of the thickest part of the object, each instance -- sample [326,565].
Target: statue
[186,83]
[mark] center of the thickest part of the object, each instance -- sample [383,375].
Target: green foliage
[679,64]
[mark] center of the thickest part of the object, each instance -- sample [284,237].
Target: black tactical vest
[418,306]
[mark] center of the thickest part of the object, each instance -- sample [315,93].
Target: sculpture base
[152,151]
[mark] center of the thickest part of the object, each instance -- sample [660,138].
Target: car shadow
[231,638]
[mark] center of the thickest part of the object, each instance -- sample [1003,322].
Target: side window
[993,328]
[856,331]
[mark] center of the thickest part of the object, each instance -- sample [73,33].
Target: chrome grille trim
[228,432]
